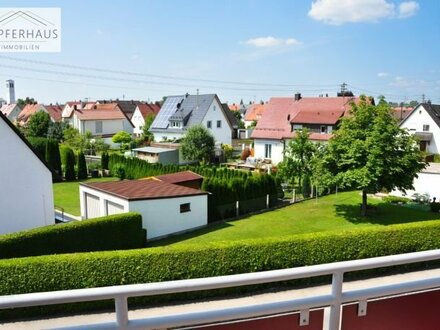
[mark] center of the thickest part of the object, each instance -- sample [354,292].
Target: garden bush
[115,232]
[69,169]
[81,166]
[396,200]
[97,269]
[435,207]
[39,145]
[53,159]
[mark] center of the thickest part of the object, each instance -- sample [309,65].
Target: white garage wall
[103,198]
[426,183]
[162,216]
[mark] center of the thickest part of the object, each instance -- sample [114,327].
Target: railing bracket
[304,317]
[362,308]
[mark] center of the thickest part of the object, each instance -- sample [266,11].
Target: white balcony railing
[333,299]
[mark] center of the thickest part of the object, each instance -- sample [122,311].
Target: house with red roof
[285,115]
[142,111]
[169,204]
[102,120]
[54,111]
[253,113]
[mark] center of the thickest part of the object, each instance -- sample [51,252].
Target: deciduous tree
[370,152]
[197,144]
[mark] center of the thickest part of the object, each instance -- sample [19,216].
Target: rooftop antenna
[123,96]
[423,98]
[343,88]
[197,99]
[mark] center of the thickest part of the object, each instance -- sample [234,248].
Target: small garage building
[166,208]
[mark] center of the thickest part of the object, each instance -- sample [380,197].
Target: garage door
[92,206]
[113,208]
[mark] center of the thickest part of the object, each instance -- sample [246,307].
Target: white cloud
[338,12]
[272,42]
[408,8]
[383,74]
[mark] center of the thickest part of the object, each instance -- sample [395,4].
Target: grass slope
[66,194]
[329,213]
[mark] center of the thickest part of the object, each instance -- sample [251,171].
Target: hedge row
[115,232]
[97,269]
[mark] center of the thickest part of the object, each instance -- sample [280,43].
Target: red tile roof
[317,117]
[400,113]
[234,107]
[255,112]
[54,111]
[143,189]
[106,111]
[275,122]
[179,177]
[148,109]
[28,111]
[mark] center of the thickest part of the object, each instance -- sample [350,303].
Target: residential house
[284,115]
[69,107]
[232,120]
[142,111]
[11,111]
[102,120]
[424,123]
[178,113]
[27,112]
[26,195]
[169,204]
[400,113]
[253,114]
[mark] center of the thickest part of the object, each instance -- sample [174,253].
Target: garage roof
[179,177]
[143,189]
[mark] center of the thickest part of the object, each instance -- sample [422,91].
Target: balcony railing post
[335,308]
[121,308]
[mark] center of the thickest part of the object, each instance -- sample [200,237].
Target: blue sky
[261,48]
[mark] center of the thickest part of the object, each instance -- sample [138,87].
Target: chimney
[297,96]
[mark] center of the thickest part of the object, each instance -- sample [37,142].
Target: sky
[246,50]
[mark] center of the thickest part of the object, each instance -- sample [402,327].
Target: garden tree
[370,152]
[147,135]
[75,140]
[240,122]
[56,130]
[297,163]
[38,124]
[53,158]
[28,100]
[320,176]
[197,144]
[104,161]
[123,138]
[81,166]
[69,170]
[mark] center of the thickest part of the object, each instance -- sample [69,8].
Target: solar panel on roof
[167,110]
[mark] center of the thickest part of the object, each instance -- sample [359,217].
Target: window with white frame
[98,126]
[267,151]
[425,128]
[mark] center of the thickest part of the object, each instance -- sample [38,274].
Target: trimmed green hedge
[97,269]
[115,232]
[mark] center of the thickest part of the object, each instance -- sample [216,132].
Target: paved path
[221,303]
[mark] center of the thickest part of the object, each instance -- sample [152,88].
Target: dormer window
[175,124]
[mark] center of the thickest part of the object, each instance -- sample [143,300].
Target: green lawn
[333,212]
[66,194]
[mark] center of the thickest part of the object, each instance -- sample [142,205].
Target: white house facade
[179,113]
[11,111]
[424,123]
[26,195]
[166,208]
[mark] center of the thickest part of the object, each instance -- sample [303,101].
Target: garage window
[185,207]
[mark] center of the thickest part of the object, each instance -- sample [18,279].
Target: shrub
[104,161]
[39,145]
[435,207]
[81,166]
[396,200]
[69,170]
[97,269]
[245,153]
[53,158]
[122,231]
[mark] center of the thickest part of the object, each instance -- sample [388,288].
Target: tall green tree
[198,144]
[370,152]
[28,100]
[123,138]
[297,163]
[38,124]
[147,135]
[53,158]
[69,170]
[81,166]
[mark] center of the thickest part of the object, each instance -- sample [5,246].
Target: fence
[334,299]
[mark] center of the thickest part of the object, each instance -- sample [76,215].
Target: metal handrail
[334,300]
